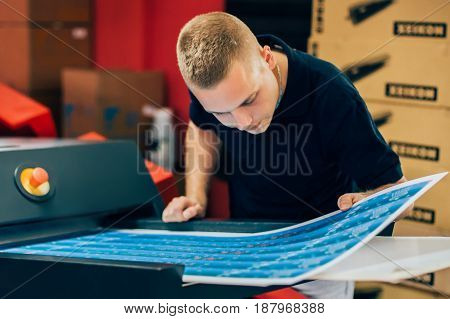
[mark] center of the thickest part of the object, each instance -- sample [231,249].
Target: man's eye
[249,102]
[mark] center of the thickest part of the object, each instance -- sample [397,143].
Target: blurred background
[107,69]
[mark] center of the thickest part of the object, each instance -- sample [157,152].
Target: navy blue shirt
[321,143]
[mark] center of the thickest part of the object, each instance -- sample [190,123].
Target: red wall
[119,33]
[142,35]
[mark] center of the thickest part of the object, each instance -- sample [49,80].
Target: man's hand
[346,201]
[182,209]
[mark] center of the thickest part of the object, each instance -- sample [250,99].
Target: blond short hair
[207,46]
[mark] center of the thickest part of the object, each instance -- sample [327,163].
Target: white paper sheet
[392,259]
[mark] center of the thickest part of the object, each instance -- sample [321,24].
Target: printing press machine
[86,188]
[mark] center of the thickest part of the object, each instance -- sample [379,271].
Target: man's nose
[242,118]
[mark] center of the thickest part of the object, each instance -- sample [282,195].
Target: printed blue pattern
[281,254]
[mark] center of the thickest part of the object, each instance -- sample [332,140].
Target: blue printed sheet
[279,257]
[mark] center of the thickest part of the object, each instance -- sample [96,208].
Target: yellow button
[35,181]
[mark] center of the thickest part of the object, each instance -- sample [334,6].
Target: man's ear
[268,56]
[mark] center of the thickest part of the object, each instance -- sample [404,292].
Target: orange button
[38,177]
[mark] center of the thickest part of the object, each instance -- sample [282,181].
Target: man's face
[246,98]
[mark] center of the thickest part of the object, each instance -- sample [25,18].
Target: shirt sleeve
[353,141]
[199,116]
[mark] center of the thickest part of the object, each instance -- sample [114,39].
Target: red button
[38,177]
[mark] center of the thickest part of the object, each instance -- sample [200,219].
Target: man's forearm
[401,180]
[202,149]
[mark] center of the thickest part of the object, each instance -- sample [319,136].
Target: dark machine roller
[65,189]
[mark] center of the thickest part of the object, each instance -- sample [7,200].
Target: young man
[297,138]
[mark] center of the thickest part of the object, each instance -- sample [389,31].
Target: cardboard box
[109,103]
[391,291]
[414,74]
[32,59]
[437,281]
[406,227]
[407,20]
[420,136]
[45,10]
[434,282]
[433,208]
